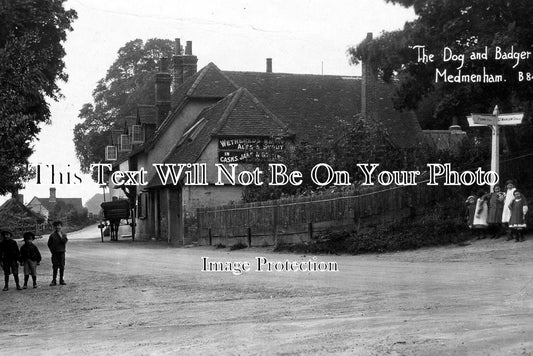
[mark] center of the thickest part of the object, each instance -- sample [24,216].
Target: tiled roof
[147,114]
[402,128]
[309,104]
[240,113]
[14,207]
[75,202]
[211,83]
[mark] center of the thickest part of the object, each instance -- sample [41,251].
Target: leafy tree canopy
[128,82]
[31,63]
[464,27]
[340,153]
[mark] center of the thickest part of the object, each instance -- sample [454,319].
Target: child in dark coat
[30,258]
[10,257]
[470,211]
[517,221]
[56,244]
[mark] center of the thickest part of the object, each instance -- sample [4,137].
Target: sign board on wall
[247,149]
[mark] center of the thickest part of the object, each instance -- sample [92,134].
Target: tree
[128,82]
[31,63]
[341,154]
[465,27]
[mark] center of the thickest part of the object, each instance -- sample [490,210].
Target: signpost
[494,121]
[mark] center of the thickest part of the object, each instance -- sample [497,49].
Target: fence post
[210,236]
[310,230]
[249,236]
[275,223]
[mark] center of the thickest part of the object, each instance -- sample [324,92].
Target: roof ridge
[202,74]
[236,96]
[296,74]
[267,110]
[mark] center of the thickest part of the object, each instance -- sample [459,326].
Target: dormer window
[125,143]
[111,153]
[137,134]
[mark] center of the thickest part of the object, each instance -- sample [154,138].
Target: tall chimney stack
[52,198]
[367,83]
[269,65]
[15,195]
[162,91]
[184,65]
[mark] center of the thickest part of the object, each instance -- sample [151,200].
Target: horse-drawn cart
[114,212]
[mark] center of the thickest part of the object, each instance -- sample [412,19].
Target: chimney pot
[177,47]
[162,91]
[52,198]
[163,64]
[368,84]
[269,65]
[183,66]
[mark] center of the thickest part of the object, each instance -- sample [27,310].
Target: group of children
[29,256]
[498,210]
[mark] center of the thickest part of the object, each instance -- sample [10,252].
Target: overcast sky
[300,36]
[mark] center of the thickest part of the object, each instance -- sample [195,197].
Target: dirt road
[146,298]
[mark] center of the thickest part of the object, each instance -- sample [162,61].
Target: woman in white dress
[480,217]
[506,213]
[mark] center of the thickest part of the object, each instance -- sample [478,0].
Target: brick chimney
[17,196]
[368,83]
[184,65]
[269,65]
[162,91]
[52,198]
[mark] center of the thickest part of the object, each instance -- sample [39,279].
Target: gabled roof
[13,210]
[211,83]
[75,202]
[147,114]
[309,104]
[240,113]
[93,204]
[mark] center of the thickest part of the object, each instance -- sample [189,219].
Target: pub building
[213,116]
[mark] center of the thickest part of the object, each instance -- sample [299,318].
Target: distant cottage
[212,114]
[44,206]
[14,214]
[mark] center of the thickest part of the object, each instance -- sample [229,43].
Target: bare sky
[301,36]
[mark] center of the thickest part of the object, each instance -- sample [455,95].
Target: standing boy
[10,257]
[30,257]
[57,245]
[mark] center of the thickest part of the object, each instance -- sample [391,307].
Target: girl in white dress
[506,213]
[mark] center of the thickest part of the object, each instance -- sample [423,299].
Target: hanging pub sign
[247,149]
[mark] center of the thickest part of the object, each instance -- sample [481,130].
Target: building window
[125,143]
[137,134]
[111,153]
[142,206]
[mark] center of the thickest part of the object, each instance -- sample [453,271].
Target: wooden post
[275,223]
[249,236]
[494,121]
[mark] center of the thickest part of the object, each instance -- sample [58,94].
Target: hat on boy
[29,236]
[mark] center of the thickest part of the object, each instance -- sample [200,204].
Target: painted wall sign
[247,149]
